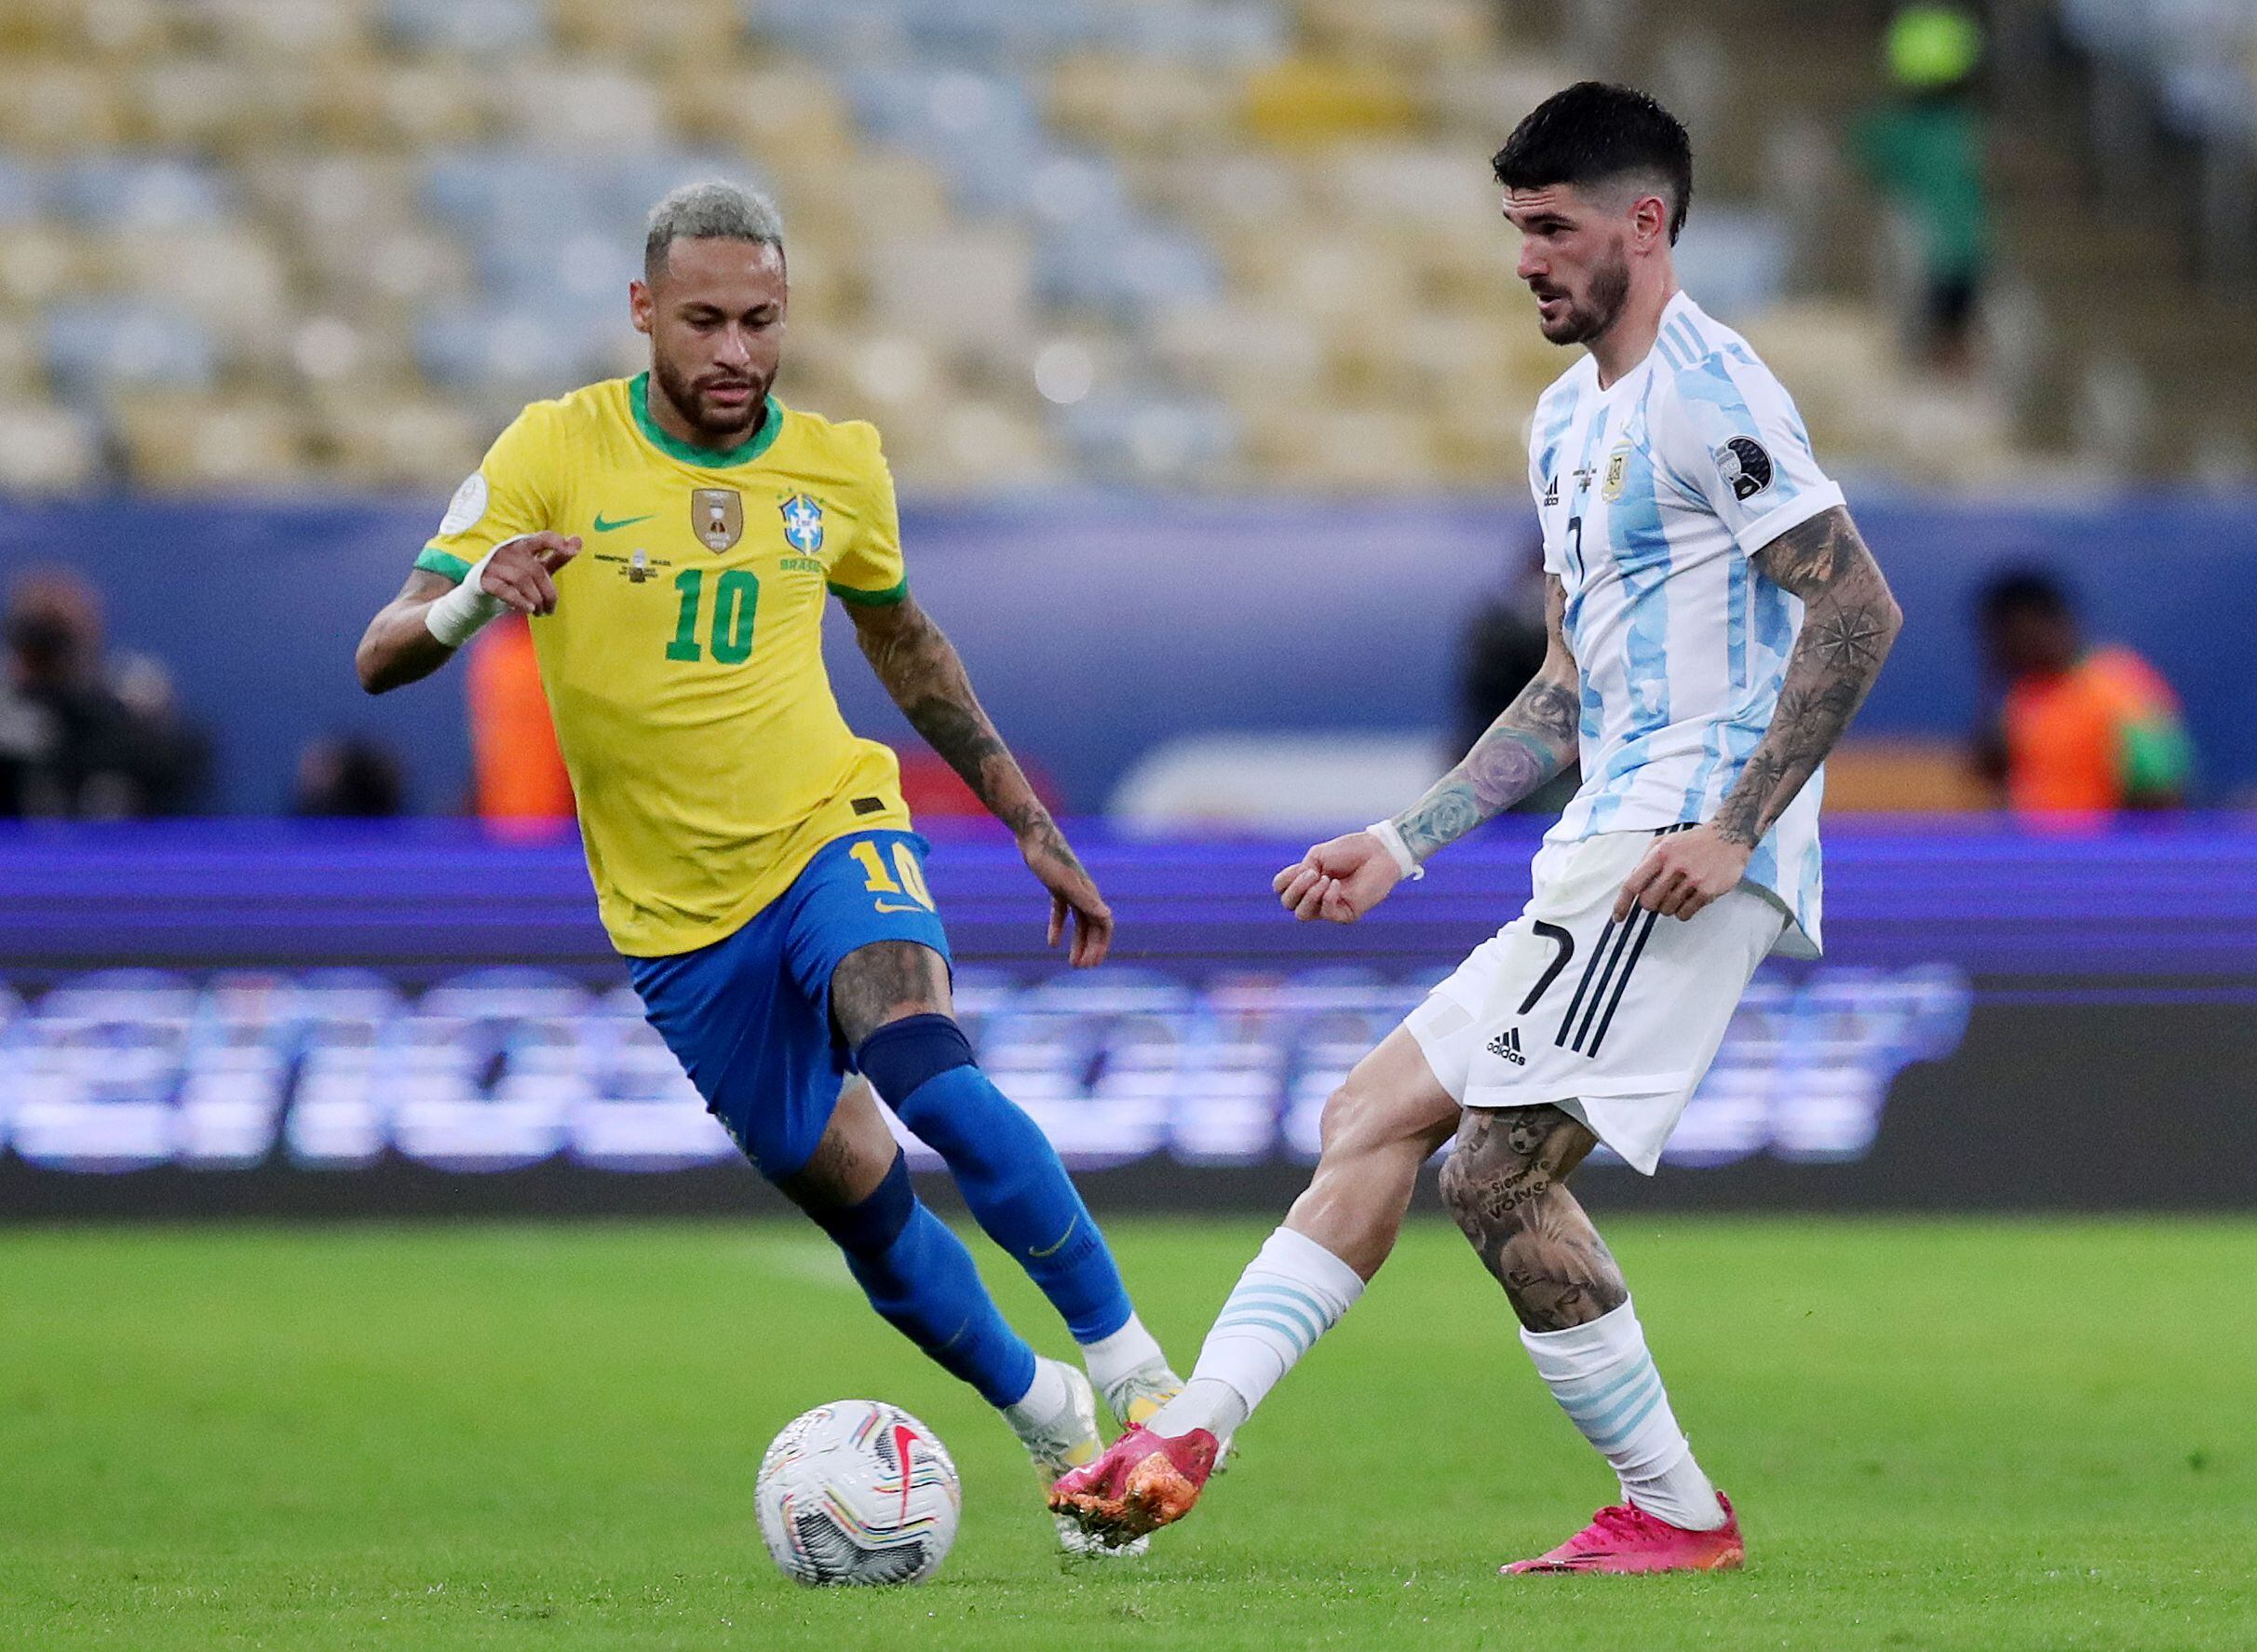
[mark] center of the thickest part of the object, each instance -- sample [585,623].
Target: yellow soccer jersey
[683,664]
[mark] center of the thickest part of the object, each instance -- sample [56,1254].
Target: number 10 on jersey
[735,595]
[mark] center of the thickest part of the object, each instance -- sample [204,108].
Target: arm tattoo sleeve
[1531,742]
[1532,739]
[1849,620]
[920,668]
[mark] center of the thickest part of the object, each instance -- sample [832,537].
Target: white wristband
[1385,831]
[457,617]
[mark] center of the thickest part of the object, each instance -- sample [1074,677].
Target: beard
[722,424]
[1580,323]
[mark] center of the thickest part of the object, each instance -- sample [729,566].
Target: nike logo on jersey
[624,521]
[889,906]
[1507,1044]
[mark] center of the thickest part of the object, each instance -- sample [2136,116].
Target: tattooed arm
[1849,621]
[1532,739]
[921,671]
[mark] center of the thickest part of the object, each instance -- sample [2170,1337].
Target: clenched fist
[1338,881]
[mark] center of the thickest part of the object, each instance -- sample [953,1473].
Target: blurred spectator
[350,777]
[1923,150]
[2082,729]
[1500,650]
[518,774]
[78,738]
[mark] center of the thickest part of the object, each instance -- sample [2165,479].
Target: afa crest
[1618,469]
[802,524]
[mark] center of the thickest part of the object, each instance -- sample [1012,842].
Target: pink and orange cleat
[1622,1538]
[1141,1484]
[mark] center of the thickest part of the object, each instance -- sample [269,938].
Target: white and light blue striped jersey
[1655,494]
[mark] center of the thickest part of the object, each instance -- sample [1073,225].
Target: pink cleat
[1626,1539]
[1142,1483]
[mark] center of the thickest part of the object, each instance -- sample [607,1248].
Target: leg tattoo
[1504,1183]
[886,980]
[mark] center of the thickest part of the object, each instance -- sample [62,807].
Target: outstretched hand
[1073,895]
[1338,881]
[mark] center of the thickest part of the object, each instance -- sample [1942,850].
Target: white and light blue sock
[1604,1379]
[1291,1293]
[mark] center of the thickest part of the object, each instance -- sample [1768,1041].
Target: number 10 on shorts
[911,876]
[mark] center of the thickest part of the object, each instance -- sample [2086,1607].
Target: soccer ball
[858,1492]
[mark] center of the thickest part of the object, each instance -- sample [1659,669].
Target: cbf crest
[802,524]
[717,515]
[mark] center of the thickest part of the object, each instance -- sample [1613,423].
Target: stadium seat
[1415,34]
[396,442]
[271,32]
[581,106]
[784,116]
[1243,351]
[92,347]
[230,280]
[1118,100]
[1141,438]
[496,29]
[960,287]
[481,346]
[1306,100]
[46,447]
[51,107]
[408,106]
[320,190]
[692,35]
[205,442]
[220,107]
[40,262]
[109,192]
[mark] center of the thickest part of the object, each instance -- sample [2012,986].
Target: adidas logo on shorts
[1507,1045]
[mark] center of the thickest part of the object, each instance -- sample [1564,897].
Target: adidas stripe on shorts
[1615,1024]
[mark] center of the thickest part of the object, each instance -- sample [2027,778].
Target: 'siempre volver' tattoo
[1849,620]
[1532,739]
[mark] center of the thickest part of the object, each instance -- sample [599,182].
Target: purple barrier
[207,1018]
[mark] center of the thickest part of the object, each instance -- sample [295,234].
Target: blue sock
[1010,1173]
[922,1281]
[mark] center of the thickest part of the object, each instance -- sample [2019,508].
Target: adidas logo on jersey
[1507,1044]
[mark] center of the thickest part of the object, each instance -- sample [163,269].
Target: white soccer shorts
[1615,1024]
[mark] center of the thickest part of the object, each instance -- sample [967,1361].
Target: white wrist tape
[457,617]
[1404,862]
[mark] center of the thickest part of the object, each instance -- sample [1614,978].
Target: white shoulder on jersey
[1548,427]
[1726,433]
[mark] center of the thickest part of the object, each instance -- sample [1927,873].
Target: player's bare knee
[1351,1123]
[1366,1118]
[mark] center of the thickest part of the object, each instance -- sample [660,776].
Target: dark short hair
[2023,590]
[1597,133]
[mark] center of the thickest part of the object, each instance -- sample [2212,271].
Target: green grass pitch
[1941,1435]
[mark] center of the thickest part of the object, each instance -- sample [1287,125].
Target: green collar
[689,452]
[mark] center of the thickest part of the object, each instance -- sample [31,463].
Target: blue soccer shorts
[748,1017]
